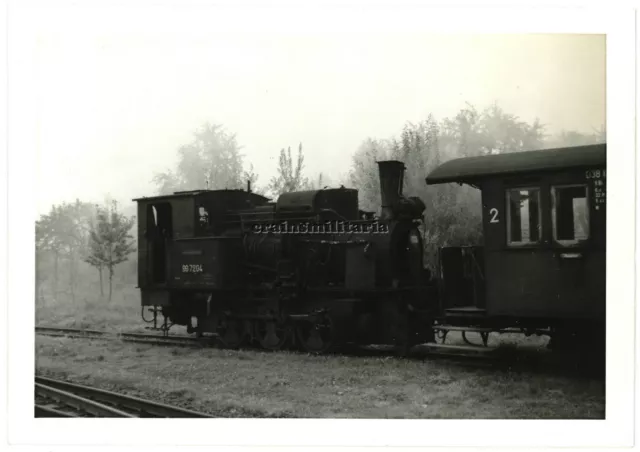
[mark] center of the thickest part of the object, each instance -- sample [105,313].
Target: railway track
[125,337]
[476,354]
[459,355]
[57,398]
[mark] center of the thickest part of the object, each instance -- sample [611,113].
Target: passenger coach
[542,266]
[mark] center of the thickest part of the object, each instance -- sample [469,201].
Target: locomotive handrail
[336,242]
[209,237]
[475,261]
[258,266]
[155,315]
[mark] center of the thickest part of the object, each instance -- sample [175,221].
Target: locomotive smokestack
[391,180]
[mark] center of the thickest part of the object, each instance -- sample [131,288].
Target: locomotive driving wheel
[272,334]
[231,333]
[317,336]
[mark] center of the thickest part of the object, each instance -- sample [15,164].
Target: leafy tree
[289,176]
[575,138]
[97,254]
[46,244]
[76,236]
[364,172]
[453,213]
[110,241]
[64,234]
[319,182]
[600,135]
[212,159]
[491,131]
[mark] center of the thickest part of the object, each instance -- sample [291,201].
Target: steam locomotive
[312,270]
[309,270]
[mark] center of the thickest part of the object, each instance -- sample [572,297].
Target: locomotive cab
[172,248]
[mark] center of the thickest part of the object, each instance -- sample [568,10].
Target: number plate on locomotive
[189,268]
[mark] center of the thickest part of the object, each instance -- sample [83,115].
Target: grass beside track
[122,314]
[261,384]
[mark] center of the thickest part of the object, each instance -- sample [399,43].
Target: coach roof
[474,168]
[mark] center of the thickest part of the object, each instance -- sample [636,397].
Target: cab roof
[194,193]
[474,168]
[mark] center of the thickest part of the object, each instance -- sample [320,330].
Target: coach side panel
[545,245]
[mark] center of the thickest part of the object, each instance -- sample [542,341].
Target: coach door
[515,259]
[576,248]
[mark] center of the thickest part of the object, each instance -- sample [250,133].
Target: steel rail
[45,329]
[135,406]
[458,354]
[433,350]
[139,337]
[126,337]
[478,356]
[46,411]
[83,404]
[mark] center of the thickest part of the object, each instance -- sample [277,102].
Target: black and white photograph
[252,215]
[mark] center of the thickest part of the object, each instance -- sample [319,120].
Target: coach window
[523,216]
[570,214]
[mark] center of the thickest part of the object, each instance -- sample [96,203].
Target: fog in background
[120,93]
[115,106]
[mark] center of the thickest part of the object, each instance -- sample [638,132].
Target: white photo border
[27,18]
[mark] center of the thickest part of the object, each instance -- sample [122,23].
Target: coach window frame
[554,214]
[507,198]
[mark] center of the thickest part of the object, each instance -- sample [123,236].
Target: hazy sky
[114,105]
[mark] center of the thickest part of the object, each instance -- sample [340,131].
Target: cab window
[524,216]
[204,220]
[570,214]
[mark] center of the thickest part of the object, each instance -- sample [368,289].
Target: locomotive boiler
[310,270]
